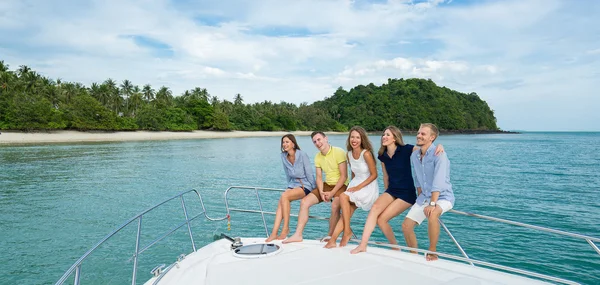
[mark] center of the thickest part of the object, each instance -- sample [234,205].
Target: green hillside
[30,101]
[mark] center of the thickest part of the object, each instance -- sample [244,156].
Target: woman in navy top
[300,182]
[400,193]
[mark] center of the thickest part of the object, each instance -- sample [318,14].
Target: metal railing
[76,267]
[259,201]
[590,240]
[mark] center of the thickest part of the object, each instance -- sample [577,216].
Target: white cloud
[406,67]
[593,51]
[524,57]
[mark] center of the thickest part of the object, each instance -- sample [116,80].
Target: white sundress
[365,197]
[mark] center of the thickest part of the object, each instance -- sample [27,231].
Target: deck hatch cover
[256,250]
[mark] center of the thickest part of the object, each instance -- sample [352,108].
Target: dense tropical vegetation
[29,101]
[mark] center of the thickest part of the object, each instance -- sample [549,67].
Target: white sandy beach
[9,138]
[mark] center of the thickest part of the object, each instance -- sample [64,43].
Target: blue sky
[536,62]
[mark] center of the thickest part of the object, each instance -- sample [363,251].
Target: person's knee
[408,226]
[382,221]
[377,209]
[335,204]
[434,216]
[345,198]
[305,204]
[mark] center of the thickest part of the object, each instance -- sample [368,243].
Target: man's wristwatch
[432,203]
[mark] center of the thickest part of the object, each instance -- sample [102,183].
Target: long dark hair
[292,138]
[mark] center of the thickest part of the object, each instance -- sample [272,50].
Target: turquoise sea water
[56,201]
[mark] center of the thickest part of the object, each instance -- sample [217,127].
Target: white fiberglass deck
[309,263]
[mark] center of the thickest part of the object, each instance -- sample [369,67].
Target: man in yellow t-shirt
[330,160]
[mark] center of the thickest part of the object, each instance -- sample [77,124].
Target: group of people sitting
[428,195]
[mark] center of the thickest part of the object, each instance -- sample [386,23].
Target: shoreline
[52,137]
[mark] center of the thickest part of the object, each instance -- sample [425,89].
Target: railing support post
[187,220]
[593,245]
[137,250]
[455,242]
[77,275]
[262,213]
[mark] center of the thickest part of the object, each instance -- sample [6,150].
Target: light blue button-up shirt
[432,174]
[301,172]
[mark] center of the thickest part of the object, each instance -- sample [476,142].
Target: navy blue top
[400,179]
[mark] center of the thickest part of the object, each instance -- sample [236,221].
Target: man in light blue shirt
[435,196]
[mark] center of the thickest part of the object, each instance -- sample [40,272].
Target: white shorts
[416,211]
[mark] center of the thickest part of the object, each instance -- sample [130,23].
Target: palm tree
[101,93]
[7,79]
[50,90]
[148,93]
[126,90]
[3,66]
[23,69]
[164,95]
[136,100]
[70,91]
[95,91]
[238,100]
[214,101]
[32,81]
[201,93]
[114,98]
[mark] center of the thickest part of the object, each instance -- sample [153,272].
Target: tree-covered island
[29,102]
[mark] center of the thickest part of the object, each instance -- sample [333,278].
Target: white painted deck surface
[309,263]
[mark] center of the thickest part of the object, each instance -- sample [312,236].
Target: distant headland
[32,102]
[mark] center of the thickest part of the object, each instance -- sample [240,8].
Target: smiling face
[320,142]
[387,138]
[425,136]
[355,140]
[287,144]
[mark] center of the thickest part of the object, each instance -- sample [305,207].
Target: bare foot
[294,238]
[283,235]
[345,239]
[360,248]
[331,244]
[325,239]
[431,257]
[271,238]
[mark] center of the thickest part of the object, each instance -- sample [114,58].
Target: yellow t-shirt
[329,164]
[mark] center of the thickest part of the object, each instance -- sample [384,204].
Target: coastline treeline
[29,102]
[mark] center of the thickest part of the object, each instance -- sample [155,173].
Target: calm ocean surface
[56,201]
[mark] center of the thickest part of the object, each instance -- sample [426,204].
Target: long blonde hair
[365,143]
[397,138]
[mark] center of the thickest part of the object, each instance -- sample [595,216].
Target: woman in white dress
[363,190]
